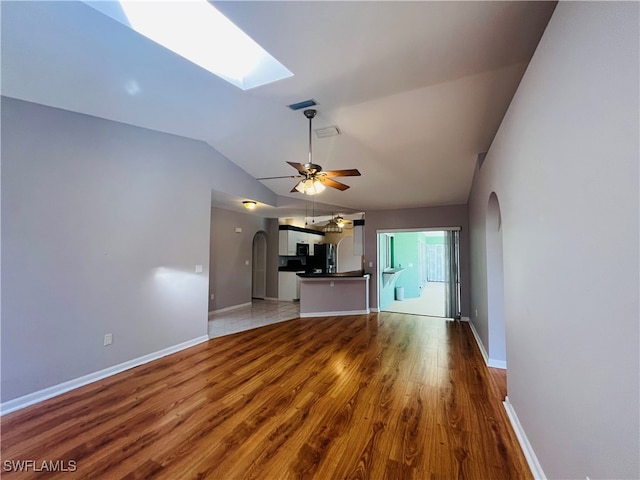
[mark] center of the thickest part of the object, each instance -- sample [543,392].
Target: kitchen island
[331,294]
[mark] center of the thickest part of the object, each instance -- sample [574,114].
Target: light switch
[370,264]
[238,230]
[198,268]
[246,262]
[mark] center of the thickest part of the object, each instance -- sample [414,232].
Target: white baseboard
[228,309]
[490,362]
[479,342]
[50,392]
[374,310]
[497,364]
[271,299]
[530,455]
[335,314]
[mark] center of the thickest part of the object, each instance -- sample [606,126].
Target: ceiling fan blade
[342,173]
[285,176]
[333,184]
[299,167]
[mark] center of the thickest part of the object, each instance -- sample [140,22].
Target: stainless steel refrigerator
[324,257]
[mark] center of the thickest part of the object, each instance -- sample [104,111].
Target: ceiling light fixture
[310,186]
[249,204]
[332,227]
[198,32]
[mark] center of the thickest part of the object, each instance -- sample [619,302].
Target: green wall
[406,257]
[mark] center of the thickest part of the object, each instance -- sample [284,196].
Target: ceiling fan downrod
[310,114]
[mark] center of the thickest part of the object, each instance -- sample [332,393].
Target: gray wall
[102,227]
[230,277]
[433,217]
[564,166]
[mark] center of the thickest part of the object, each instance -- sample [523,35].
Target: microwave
[302,249]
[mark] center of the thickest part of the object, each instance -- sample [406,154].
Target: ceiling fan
[336,224]
[343,222]
[314,179]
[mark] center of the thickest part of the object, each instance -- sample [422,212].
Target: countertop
[354,273]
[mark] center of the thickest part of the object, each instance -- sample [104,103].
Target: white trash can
[400,293]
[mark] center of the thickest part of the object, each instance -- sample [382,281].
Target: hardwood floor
[380,396]
[499,376]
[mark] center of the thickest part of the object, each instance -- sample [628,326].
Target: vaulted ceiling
[417,89]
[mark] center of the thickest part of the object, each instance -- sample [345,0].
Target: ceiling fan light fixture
[332,227]
[310,186]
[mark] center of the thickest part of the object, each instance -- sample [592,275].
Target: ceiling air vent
[305,104]
[327,131]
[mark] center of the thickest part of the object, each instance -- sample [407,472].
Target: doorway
[259,266]
[419,272]
[497,348]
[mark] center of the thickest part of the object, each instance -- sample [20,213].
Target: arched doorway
[347,260]
[495,285]
[259,266]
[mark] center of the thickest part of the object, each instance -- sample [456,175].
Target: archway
[347,261]
[259,266]
[497,348]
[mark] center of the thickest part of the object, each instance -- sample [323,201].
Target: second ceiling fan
[314,179]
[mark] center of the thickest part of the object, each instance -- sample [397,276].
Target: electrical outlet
[108,339]
[199,268]
[370,264]
[213,296]
[331,284]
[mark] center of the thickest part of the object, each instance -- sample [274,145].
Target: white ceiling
[418,89]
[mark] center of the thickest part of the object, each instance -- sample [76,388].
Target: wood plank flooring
[380,396]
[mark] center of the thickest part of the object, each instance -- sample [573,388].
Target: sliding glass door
[419,272]
[452,274]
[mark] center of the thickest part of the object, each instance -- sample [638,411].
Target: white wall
[102,226]
[564,166]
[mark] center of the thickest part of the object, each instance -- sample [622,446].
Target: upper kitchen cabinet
[291,236]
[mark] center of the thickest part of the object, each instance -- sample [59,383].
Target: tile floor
[430,302]
[266,312]
[258,314]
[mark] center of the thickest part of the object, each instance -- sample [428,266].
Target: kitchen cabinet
[313,239]
[283,243]
[289,238]
[288,286]
[334,294]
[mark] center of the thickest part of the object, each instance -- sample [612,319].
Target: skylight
[195,30]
